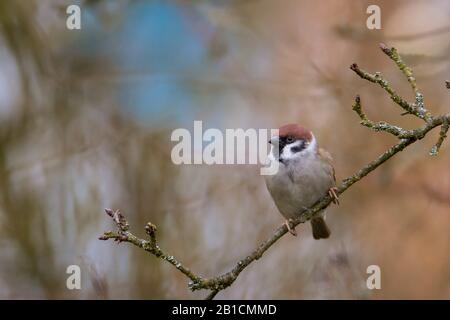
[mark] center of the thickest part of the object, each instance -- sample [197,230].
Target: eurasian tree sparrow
[305,175]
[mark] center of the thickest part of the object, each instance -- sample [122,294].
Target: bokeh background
[86,118]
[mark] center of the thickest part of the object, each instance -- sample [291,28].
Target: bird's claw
[290,229]
[332,192]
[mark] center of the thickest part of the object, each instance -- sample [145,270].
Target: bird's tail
[320,229]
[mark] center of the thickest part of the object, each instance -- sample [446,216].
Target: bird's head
[293,142]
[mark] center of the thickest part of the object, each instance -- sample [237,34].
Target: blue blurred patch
[157,50]
[157,43]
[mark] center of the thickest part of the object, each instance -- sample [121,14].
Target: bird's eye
[289,139]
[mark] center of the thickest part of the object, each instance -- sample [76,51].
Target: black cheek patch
[298,148]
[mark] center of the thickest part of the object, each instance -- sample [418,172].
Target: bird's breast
[299,185]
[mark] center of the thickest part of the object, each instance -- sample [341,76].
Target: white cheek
[312,145]
[288,153]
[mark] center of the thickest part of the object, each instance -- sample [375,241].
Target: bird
[305,174]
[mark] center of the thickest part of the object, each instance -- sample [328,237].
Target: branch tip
[150,229]
[118,218]
[442,135]
[385,48]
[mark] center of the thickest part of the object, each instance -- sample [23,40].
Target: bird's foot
[334,197]
[290,229]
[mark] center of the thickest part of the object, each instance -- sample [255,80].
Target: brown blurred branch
[406,138]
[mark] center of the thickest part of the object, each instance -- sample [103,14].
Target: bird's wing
[326,156]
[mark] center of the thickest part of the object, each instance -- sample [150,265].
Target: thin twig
[393,54]
[442,135]
[212,295]
[381,125]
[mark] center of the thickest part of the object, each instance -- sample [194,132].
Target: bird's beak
[274,140]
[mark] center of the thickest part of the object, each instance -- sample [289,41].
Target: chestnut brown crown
[296,131]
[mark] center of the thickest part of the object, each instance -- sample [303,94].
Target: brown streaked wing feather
[326,156]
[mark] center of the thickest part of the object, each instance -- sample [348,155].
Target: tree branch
[406,138]
[407,71]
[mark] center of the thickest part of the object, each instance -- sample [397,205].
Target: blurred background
[85,123]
